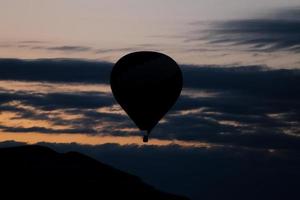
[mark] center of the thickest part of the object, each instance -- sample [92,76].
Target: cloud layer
[250,106]
[280,31]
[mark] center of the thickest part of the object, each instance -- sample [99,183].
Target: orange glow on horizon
[84,139]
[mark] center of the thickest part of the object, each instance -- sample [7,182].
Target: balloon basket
[145,138]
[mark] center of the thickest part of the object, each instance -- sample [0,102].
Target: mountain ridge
[35,170]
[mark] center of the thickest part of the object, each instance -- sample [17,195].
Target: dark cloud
[279,32]
[55,70]
[250,80]
[52,101]
[253,80]
[251,106]
[37,129]
[69,48]
[63,100]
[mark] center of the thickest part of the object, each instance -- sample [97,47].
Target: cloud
[101,51]
[73,48]
[251,80]
[69,48]
[278,32]
[248,80]
[252,112]
[31,42]
[53,101]
[287,14]
[37,129]
[250,106]
[55,70]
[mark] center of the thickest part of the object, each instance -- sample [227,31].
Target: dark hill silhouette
[39,172]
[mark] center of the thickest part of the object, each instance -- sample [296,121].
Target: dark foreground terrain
[39,172]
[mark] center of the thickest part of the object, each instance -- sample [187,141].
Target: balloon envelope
[146,85]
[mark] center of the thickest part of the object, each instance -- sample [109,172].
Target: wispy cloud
[69,48]
[31,42]
[100,51]
[278,32]
[73,48]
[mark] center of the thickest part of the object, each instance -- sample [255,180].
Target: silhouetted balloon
[146,85]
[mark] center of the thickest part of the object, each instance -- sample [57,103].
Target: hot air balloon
[146,85]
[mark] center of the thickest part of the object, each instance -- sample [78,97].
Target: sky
[106,30]
[236,123]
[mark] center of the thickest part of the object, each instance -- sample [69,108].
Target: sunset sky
[241,98]
[106,30]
